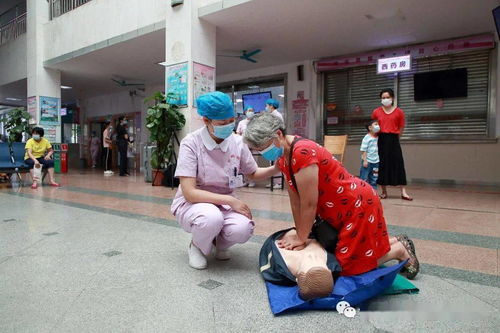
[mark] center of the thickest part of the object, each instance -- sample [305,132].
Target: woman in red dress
[391,169]
[326,189]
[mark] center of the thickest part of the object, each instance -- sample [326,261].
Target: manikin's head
[316,282]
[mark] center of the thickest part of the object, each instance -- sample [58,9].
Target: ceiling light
[66,87]
[239,100]
[254,87]
[281,95]
[12,99]
[163,63]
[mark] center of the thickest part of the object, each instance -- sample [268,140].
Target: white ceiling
[135,61]
[295,30]
[15,90]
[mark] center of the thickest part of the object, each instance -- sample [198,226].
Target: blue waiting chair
[6,165]
[18,151]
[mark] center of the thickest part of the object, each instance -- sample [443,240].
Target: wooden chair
[336,144]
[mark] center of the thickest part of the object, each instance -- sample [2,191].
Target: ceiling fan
[123,83]
[245,55]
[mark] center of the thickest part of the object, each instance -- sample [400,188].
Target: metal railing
[13,29]
[59,7]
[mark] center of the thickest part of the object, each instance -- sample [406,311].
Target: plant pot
[158,177]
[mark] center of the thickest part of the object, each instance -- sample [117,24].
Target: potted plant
[17,123]
[163,120]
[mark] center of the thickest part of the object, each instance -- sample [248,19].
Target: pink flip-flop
[34,186]
[55,185]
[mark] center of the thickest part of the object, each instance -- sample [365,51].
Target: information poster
[203,79]
[177,83]
[299,111]
[49,110]
[50,133]
[32,109]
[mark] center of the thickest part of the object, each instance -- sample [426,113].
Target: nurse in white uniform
[211,162]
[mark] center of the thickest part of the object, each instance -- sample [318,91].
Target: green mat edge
[401,285]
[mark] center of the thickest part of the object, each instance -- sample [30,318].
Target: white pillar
[42,82]
[188,40]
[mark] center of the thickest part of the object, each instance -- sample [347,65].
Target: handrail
[13,29]
[60,7]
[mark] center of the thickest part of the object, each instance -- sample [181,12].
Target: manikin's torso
[313,255]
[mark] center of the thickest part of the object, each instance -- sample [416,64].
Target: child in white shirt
[369,154]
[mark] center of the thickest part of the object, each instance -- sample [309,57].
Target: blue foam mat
[353,289]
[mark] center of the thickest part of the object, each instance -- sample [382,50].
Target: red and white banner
[416,51]
[299,111]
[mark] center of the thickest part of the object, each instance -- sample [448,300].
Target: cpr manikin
[311,268]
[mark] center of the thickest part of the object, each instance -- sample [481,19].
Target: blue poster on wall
[49,110]
[177,83]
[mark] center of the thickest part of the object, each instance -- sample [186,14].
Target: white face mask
[376,129]
[250,114]
[386,101]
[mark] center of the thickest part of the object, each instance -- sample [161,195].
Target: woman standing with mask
[211,160]
[391,166]
[242,126]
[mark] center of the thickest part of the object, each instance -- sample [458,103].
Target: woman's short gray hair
[261,129]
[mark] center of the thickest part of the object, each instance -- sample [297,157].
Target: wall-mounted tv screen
[256,100]
[496,17]
[440,84]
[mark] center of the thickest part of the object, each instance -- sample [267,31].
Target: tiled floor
[105,254]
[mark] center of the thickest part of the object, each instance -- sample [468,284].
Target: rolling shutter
[355,93]
[464,117]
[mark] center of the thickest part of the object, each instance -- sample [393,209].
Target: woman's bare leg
[384,189]
[397,252]
[32,177]
[403,192]
[51,175]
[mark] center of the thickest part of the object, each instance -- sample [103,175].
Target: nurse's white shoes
[222,254]
[196,258]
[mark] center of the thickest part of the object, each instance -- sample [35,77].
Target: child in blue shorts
[369,154]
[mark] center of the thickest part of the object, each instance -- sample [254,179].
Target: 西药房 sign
[394,64]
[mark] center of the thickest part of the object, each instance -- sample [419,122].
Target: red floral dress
[349,204]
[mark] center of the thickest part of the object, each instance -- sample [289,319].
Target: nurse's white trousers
[207,222]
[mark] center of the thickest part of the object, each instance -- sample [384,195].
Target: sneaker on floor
[196,259]
[251,184]
[222,254]
[277,186]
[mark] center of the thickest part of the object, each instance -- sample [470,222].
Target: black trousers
[107,159]
[122,149]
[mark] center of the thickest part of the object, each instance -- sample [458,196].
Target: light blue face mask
[224,131]
[36,137]
[272,153]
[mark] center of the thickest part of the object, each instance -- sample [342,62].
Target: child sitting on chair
[369,154]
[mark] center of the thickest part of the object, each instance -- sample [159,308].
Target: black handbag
[321,230]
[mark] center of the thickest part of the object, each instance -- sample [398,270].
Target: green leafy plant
[163,120]
[17,123]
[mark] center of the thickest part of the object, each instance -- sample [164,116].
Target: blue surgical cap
[215,105]
[273,103]
[248,108]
